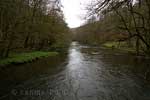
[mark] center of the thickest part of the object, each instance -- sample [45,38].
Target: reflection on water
[75,58]
[89,73]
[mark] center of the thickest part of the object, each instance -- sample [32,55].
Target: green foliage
[100,31]
[26,57]
[123,20]
[31,24]
[125,16]
[111,44]
[120,46]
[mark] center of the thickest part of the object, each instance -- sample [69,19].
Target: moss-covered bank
[122,46]
[25,57]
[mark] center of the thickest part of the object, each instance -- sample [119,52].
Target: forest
[124,24]
[30,26]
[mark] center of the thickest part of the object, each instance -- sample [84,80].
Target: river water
[88,73]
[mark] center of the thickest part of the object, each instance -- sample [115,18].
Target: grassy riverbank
[25,57]
[122,46]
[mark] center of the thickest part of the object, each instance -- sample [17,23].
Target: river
[88,73]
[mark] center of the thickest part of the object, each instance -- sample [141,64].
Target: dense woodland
[31,25]
[120,21]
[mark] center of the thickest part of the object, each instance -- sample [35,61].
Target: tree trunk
[6,53]
[26,41]
[137,46]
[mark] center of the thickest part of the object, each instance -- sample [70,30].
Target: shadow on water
[14,75]
[88,73]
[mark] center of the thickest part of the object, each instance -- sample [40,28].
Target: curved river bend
[89,73]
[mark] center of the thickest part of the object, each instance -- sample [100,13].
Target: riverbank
[13,75]
[25,57]
[120,46]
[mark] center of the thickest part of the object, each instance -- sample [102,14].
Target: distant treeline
[118,20]
[31,25]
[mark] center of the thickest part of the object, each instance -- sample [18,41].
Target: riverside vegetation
[30,29]
[118,24]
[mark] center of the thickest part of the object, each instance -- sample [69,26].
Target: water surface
[88,73]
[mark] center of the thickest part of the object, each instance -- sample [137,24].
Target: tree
[135,17]
[27,25]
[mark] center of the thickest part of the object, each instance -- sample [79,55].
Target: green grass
[123,46]
[111,44]
[25,57]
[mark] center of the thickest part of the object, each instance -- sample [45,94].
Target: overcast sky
[74,11]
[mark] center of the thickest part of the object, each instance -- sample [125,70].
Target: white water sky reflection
[75,57]
[81,73]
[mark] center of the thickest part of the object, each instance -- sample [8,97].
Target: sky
[74,11]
